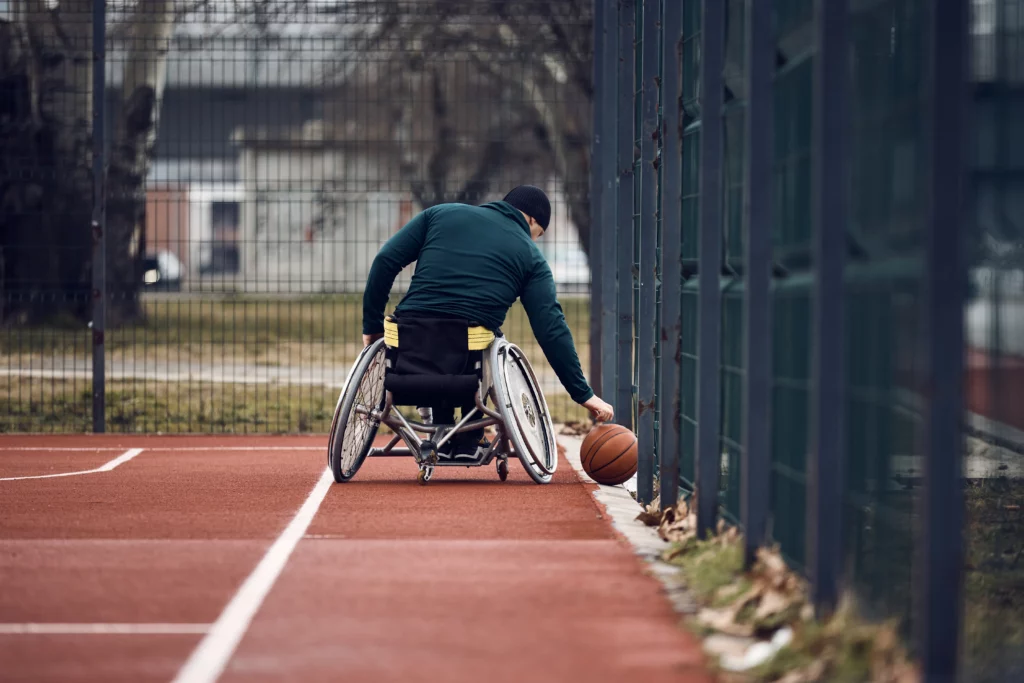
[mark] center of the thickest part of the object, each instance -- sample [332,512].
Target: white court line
[209,659]
[96,449]
[119,460]
[103,629]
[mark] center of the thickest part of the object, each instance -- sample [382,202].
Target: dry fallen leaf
[774,602]
[574,428]
[772,561]
[730,535]
[730,591]
[807,612]
[812,673]
[651,515]
[724,621]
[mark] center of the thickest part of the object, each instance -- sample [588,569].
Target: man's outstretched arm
[402,249]
[552,332]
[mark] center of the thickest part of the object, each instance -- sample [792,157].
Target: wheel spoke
[360,427]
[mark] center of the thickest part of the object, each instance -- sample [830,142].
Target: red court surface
[234,559]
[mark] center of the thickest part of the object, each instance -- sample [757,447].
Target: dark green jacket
[474,262]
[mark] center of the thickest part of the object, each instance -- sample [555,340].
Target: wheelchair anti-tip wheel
[355,426]
[525,411]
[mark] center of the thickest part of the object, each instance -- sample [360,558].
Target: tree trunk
[132,154]
[45,161]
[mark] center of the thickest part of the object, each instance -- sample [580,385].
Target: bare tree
[453,95]
[46,185]
[45,146]
[474,89]
[148,38]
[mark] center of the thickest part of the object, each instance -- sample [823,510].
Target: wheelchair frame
[513,426]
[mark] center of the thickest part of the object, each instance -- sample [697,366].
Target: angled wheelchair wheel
[354,428]
[525,411]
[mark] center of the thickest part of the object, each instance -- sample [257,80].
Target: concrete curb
[622,509]
[731,652]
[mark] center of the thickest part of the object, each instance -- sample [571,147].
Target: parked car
[162,272]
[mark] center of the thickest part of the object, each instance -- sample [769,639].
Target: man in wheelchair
[472,264]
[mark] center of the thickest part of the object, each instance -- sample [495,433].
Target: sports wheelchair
[442,361]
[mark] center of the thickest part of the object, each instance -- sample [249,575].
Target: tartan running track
[150,558]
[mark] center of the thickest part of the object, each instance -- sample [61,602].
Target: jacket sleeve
[402,249]
[549,327]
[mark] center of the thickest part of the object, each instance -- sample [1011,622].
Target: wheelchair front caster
[503,470]
[427,461]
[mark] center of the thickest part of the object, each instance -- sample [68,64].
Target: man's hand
[370,338]
[599,410]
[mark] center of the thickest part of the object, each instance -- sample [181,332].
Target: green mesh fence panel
[688,400]
[883,449]
[993,616]
[691,58]
[791,350]
[883,298]
[690,201]
[732,395]
[691,194]
[732,374]
[791,306]
[793,16]
[638,80]
[734,169]
[792,205]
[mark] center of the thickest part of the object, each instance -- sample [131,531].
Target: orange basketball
[608,454]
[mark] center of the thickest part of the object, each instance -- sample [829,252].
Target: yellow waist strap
[479,338]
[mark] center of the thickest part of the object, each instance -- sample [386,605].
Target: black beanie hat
[532,201]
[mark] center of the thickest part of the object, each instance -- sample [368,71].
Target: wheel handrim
[360,427]
[529,410]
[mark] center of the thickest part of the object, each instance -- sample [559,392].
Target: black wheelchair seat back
[432,362]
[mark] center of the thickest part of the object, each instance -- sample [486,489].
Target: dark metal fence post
[945,291]
[606,221]
[826,461]
[626,159]
[98,227]
[648,273]
[709,306]
[671,252]
[597,161]
[756,458]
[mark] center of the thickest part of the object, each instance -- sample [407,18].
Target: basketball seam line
[615,458]
[592,451]
[597,446]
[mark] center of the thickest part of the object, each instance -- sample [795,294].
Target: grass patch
[55,406]
[252,324]
[843,649]
[708,565]
[994,579]
[65,406]
[192,333]
[760,601]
